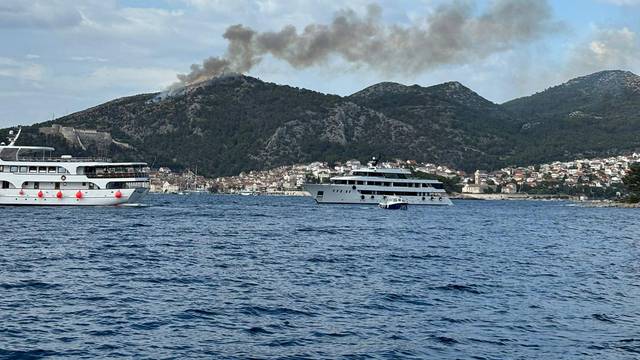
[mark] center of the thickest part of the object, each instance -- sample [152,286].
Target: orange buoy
[79,195]
[59,195]
[40,194]
[118,194]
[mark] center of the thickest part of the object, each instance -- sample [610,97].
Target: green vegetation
[239,123]
[589,116]
[549,188]
[632,183]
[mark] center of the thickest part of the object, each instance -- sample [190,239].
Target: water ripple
[266,277]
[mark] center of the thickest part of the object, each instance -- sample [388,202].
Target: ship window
[42,169]
[352,182]
[360,182]
[1,168]
[33,169]
[14,169]
[91,186]
[36,185]
[57,186]
[51,169]
[23,169]
[84,184]
[61,170]
[5,184]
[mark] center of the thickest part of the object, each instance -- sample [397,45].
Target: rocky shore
[608,204]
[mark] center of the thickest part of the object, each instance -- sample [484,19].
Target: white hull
[347,195]
[96,197]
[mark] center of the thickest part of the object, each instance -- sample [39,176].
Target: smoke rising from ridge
[607,48]
[451,34]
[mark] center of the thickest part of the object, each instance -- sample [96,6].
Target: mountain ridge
[237,123]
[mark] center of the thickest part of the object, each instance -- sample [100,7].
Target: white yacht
[373,184]
[29,176]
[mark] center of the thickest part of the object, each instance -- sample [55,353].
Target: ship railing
[118,175]
[59,159]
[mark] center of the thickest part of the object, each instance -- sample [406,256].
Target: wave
[471,289]
[29,285]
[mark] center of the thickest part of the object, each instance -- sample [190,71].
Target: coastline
[608,204]
[519,196]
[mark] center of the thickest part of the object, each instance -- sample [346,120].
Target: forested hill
[236,123]
[593,115]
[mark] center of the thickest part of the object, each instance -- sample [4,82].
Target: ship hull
[94,197]
[340,194]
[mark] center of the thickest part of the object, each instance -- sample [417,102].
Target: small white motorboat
[394,203]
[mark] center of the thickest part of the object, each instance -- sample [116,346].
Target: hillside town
[164,180]
[595,177]
[571,177]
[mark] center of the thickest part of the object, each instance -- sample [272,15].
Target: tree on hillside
[632,182]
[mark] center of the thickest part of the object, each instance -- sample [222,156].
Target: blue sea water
[271,277]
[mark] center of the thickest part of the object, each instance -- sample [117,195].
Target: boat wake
[136,205]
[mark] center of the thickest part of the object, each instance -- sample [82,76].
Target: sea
[218,277]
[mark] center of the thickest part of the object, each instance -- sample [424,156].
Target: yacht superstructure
[29,176]
[373,184]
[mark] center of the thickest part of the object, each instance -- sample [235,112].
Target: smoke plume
[451,34]
[606,49]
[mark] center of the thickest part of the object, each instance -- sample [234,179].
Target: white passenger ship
[373,184]
[29,177]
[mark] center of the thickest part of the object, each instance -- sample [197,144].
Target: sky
[62,56]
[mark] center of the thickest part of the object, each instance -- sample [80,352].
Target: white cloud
[606,49]
[142,79]
[38,14]
[622,2]
[88,59]
[20,70]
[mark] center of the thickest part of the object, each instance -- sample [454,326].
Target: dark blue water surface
[271,277]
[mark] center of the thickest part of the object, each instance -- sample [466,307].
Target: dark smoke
[452,34]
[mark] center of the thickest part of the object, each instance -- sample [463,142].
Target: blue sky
[62,56]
